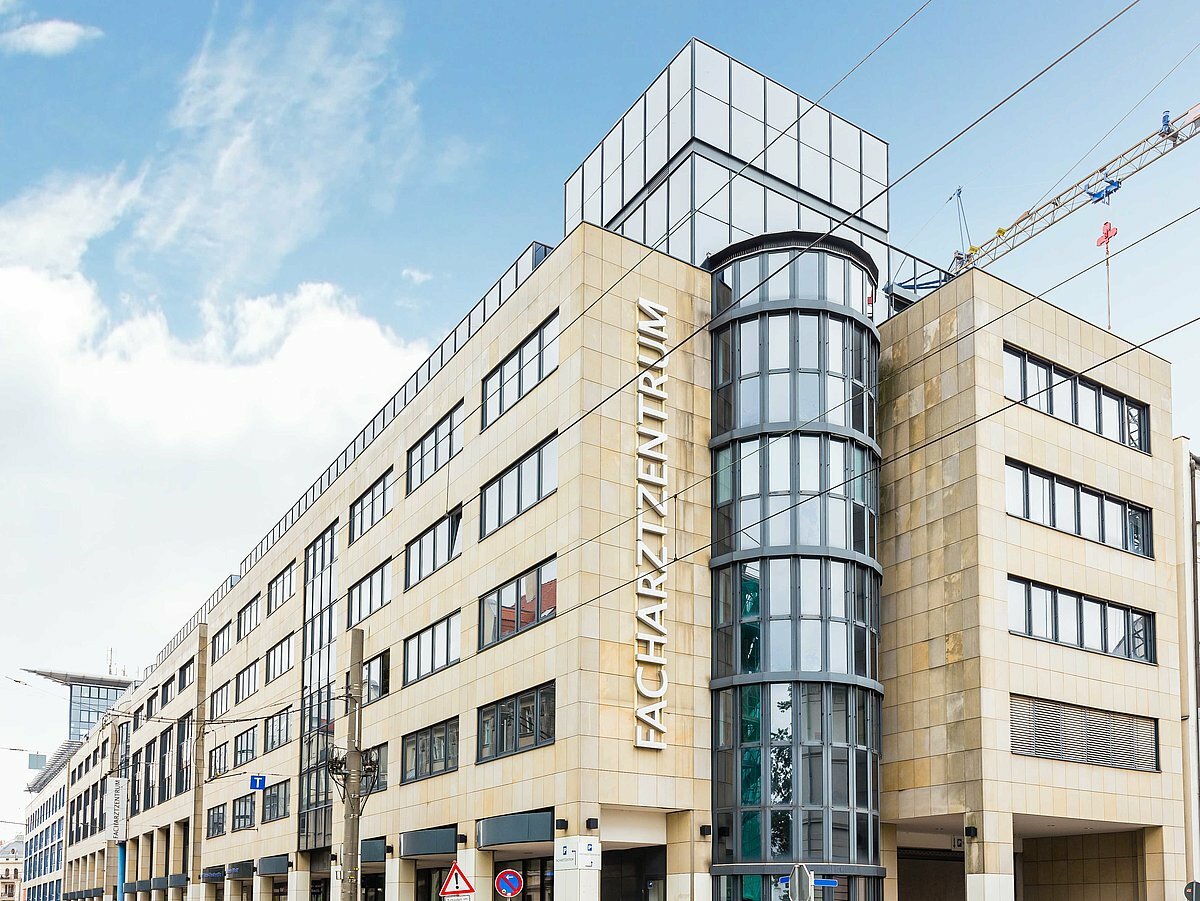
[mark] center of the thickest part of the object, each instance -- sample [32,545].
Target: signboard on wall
[116,808]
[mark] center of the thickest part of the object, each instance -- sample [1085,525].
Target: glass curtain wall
[796,579]
[317,717]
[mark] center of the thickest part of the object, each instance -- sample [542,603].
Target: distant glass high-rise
[90,696]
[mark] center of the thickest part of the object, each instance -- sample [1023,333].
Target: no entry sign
[509,883]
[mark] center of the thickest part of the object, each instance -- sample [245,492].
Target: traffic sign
[456,883]
[258,783]
[818,881]
[1192,891]
[509,883]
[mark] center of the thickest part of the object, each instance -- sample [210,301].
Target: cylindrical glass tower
[796,690]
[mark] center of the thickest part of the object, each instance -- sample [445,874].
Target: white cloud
[51,37]
[50,226]
[416,276]
[271,129]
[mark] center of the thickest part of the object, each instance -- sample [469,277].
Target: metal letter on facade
[651,552]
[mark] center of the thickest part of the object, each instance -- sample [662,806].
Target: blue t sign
[258,783]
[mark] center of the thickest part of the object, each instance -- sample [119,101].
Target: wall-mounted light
[970,832]
[705,831]
[388,849]
[593,823]
[560,825]
[462,838]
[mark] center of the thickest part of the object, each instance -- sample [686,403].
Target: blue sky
[228,230]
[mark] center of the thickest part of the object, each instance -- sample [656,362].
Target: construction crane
[1096,187]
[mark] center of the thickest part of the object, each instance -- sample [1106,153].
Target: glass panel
[1014,490]
[1037,384]
[1116,634]
[1013,366]
[1114,523]
[1062,396]
[1110,416]
[781,645]
[1087,406]
[1140,632]
[780,603]
[781,713]
[1041,612]
[1064,507]
[1068,618]
[1039,498]
[751,780]
[1089,515]
[1017,613]
[810,645]
[1093,625]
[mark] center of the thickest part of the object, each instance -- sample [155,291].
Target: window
[1062,504]
[247,618]
[1074,399]
[371,506]
[376,757]
[1051,729]
[436,447]
[280,588]
[277,730]
[220,641]
[166,765]
[216,821]
[376,677]
[433,648]
[243,812]
[218,760]
[151,706]
[166,693]
[434,548]
[430,751]
[279,659]
[520,604]
[521,371]
[139,717]
[247,683]
[369,594]
[218,702]
[183,754]
[517,723]
[275,801]
[520,486]
[1056,615]
[245,746]
[187,674]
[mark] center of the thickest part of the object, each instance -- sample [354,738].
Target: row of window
[794,367]
[521,371]
[520,604]
[276,733]
[791,274]
[788,613]
[1069,618]
[433,548]
[371,506]
[161,769]
[1070,397]
[795,489]
[274,807]
[436,447]
[796,773]
[519,487]
[1063,504]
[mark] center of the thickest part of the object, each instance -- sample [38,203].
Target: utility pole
[353,771]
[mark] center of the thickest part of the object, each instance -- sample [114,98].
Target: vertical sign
[653,485]
[116,808]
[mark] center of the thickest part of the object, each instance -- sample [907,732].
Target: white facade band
[650,561]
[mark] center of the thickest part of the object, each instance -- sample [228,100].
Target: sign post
[456,884]
[509,883]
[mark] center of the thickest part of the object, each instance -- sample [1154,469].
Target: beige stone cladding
[588,647]
[89,858]
[156,833]
[948,547]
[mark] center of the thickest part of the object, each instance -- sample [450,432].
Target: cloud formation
[50,37]
[416,276]
[271,129]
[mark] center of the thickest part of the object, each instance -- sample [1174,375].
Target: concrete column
[989,857]
[1163,862]
[400,880]
[573,877]
[689,857]
[200,891]
[890,862]
[261,888]
[233,890]
[299,882]
[477,865]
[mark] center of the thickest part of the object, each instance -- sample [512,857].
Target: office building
[678,567]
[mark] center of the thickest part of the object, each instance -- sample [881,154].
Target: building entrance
[638,874]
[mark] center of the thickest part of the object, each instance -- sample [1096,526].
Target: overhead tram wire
[925,160]
[1115,126]
[912,450]
[778,436]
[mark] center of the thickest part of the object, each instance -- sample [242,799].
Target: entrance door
[638,874]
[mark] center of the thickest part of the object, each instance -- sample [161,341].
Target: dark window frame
[497,711]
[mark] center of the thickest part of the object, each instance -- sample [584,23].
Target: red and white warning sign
[456,884]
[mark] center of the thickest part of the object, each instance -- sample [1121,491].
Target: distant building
[11,856]
[90,697]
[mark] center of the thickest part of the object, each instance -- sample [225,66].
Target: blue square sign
[258,783]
